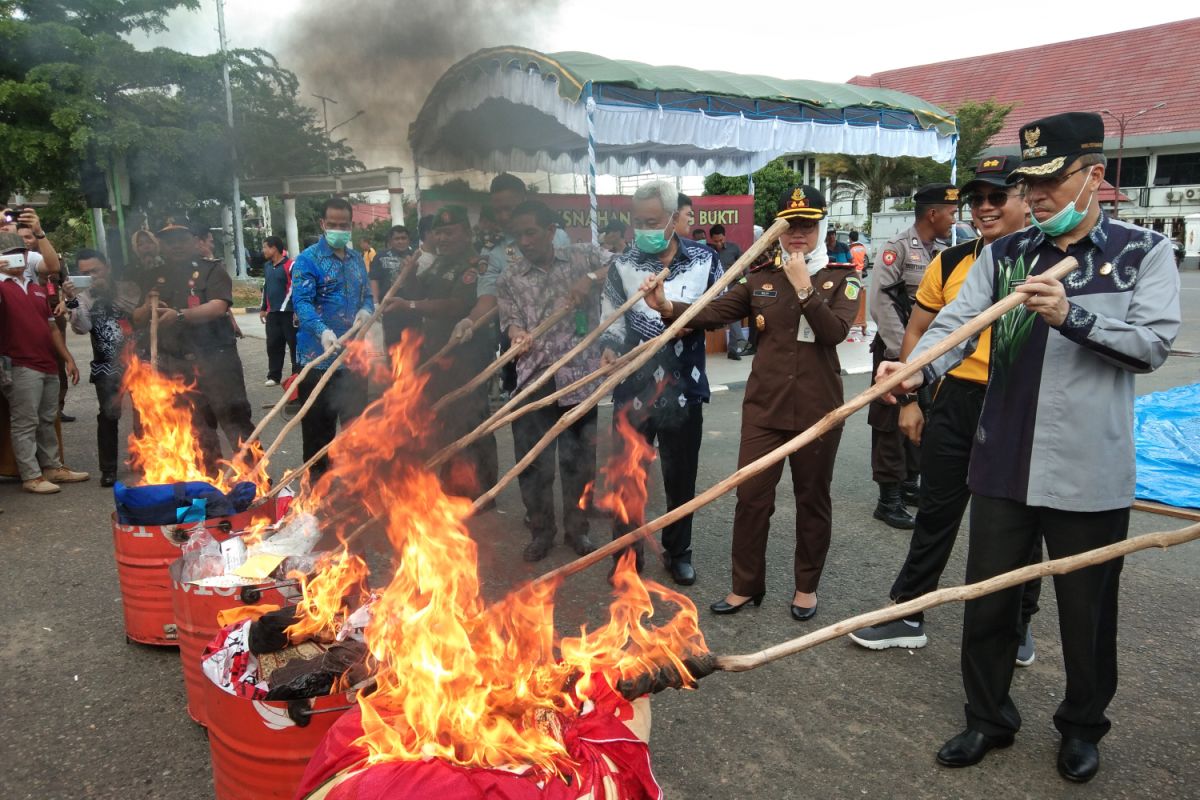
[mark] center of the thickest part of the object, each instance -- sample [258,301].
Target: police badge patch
[889,257]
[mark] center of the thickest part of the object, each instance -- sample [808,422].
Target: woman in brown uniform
[802,310]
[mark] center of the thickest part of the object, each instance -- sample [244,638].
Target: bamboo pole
[1059,566]
[154,334]
[547,374]
[677,325]
[470,386]
[1166,510]
[820,428]
[454,342]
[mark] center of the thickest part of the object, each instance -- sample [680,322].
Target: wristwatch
[804,294]
[179,315]
[906,399]
[39,236]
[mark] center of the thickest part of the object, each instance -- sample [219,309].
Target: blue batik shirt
[327,292]
[675,377]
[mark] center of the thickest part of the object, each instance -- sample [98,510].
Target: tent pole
[591,175]
[954,180]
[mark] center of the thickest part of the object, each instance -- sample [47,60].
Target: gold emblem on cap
[827,285]
[1106,269]
[952,195]
[991,162]
[1031,137]
[798,199]
[760,322]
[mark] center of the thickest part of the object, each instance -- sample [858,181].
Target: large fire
[167,451]
[456,679]
[625,475]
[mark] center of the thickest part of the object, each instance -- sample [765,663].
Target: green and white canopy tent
[515,109]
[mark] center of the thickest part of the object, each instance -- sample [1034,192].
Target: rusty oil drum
[260,748]
[144,554]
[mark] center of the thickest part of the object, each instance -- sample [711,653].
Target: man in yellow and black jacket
[945,438]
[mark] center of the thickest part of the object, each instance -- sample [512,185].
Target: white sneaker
[40,486]
[270,382]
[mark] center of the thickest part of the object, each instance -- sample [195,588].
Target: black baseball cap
[1051,144]
[801,202]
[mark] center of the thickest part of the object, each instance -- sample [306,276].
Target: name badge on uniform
[805,332]
[193,301]
[765,293]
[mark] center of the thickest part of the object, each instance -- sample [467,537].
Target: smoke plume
[383,57]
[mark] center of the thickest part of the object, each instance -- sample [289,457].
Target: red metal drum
[259,751]
[144,554]
[196,608]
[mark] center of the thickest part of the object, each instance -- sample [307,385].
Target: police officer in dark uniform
[802,309]
[898,271]
[437,299]
[196,341]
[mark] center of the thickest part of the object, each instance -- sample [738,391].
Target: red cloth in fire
[614,764]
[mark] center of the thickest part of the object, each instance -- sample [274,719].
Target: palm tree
[874,176]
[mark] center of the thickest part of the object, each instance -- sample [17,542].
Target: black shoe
[722,607]
[733,355]
[107,479]
[683,573]
[749,350]
[580,543]
[1078,761]
[890,508]
[969,748]
[910,492]
[538,549]
[65,417]
[802,614]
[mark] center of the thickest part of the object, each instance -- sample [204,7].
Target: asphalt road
[87,715]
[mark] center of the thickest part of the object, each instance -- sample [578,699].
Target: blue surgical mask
[337,239]
[1066,220]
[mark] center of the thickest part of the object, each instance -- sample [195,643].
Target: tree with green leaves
[81,107]
[770,183]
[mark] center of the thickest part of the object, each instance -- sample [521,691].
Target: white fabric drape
[634,140]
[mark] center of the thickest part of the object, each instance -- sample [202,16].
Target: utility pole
[325,101]
[239,243]
[1122,121]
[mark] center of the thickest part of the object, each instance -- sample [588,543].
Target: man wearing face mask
[1053,457]
[665,398]
[997,209]
[898,271]
[330,292]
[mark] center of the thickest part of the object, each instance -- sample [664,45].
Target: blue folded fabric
[1167,435]
[170,504]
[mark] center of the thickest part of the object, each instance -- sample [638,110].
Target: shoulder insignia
[741,280]
[889,257]
[916,242]
[853,287]
[469,276]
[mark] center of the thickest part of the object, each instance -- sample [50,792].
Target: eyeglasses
[1050,183]
[995,199]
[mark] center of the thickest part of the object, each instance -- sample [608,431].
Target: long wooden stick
[154,336]
[356,328]
[822,426]
[1059,566]
[1166,510]
[455,341]
[545,375]
[512,353]
[677,325]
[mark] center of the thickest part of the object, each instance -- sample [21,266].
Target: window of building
[1177,169]
[1134,170]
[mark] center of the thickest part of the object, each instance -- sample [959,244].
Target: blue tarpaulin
[1167,435]
[173,503]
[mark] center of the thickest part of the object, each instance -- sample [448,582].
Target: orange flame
[168,451]
[340,577]
[456,679]
[625,474]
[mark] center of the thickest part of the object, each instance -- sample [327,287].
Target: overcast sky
[817,42]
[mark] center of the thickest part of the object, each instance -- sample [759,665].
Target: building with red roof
[1125,75]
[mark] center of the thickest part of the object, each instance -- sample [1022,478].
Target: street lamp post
[1122,121]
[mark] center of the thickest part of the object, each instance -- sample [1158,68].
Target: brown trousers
[812,474]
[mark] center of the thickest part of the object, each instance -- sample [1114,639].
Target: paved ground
[87,715]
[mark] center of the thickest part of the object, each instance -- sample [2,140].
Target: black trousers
[945,456]
[575,449]
[218,400]
[281,336]
[1003,532]
[342,400]
[893,457]
[108,420]
[678,435]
